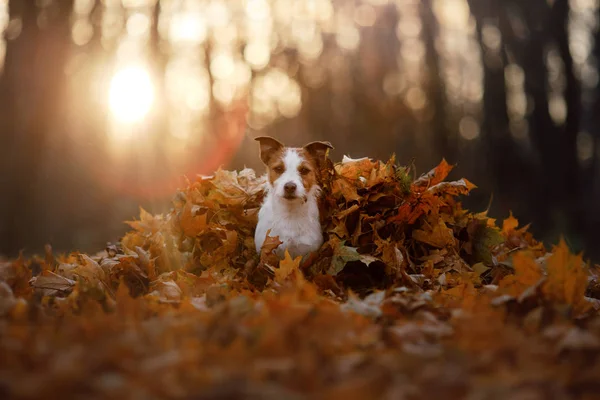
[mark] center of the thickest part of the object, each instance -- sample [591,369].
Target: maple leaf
[527,273]
[567,279]
[394,260]
[414,207]
[435,176]
[382,173]
[287,266]
[509,224]
[342,187]
[193,221]
[269,246]
[437,235]
[147,222]
[353,169]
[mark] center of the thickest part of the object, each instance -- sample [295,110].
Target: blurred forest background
[105,105]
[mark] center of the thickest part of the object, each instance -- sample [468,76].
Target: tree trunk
[31,92]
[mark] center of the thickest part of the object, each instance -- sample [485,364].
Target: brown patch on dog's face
[271,154]
[275,166]
[308,169]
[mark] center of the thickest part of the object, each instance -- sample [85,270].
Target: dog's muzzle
[289,190]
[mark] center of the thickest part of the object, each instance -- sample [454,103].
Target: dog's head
[293,171]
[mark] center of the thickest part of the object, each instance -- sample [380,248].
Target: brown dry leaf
[269,246]
[90,269]
[382,172]
[342,187]
[567,279]
[460,187]
[225,189]
[353,169]
[51,284]
[393,259]
[437,235]
[194,310]
[166,291]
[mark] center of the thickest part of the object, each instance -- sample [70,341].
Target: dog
[290,209]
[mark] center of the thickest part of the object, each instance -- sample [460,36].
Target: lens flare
[131,94]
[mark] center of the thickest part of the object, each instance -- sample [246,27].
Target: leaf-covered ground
[410,297]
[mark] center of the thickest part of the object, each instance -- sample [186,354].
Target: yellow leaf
[510,224]
[462,296]
[286,267]
[527,273]
[439,235]
[567,279]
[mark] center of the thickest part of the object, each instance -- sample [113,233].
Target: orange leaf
[438,235]
[344,187]
[355,168]
[463,296]
[191,223]
[527,273]
[286,267]
[414,208]
[435,176]
[567,279]
[509,224]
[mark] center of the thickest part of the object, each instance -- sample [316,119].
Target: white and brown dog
[290,209]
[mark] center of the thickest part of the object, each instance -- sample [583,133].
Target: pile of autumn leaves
[411,295]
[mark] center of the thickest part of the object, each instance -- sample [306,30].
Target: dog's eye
[304,171]
[278,169]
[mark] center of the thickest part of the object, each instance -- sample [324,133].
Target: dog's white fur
[296,221]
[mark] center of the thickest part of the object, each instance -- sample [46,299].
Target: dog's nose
[290,188]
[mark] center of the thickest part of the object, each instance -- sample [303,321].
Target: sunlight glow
[188,27]
[131,94]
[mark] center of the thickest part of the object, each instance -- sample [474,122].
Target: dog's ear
[268,147]
[318,150]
